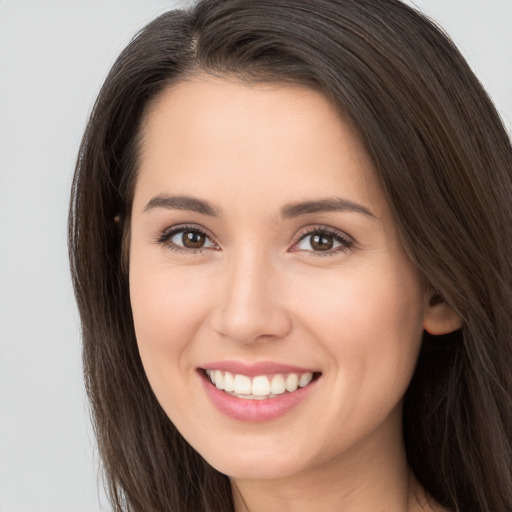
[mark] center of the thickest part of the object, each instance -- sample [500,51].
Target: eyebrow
[330,204]
[290,211]
[182,203]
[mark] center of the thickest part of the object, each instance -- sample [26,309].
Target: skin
[258,291]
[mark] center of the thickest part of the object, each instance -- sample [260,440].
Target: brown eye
[187,239]
[322,242]
[193,239]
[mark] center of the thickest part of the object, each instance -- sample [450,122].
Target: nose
[251,305]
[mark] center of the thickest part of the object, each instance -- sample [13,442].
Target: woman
[290,238]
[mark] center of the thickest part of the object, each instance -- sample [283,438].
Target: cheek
[163,304]
[168,306]
[370,322]
[369,326]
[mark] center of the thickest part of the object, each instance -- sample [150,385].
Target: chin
[256,461]
[255,470]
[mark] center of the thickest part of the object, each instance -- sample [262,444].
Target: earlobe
[440,317]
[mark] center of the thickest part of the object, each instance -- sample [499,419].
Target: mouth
[258,391]
[259,387]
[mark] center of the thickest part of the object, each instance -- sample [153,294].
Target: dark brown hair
[445,164]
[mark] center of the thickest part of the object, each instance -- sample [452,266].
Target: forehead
[224,137]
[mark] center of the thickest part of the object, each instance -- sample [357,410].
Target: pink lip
[254,410]
[254,369]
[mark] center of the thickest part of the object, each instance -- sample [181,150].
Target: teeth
[305,379]
[219,379]
[229,382]
[277,386]
[261,386]
[242,385]
[292,382]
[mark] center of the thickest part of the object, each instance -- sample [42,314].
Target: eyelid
[346,241]
[164,237]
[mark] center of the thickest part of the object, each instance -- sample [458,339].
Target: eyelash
[166,236]
[346,243]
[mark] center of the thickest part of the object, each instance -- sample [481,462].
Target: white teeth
[277,386]
[242,385]
[261,386]
[305,379]
[229,381]
[219,379]
[292,382]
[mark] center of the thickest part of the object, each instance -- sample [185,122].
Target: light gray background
[54,56]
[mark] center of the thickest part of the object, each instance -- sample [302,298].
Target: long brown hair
[445,164]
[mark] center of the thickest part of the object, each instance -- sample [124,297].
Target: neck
[372,475]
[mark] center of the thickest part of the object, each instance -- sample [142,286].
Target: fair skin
[328,290]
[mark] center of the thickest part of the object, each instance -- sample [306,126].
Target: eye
[323,242]
[184,238]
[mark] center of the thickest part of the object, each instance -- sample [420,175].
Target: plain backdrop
[54,56]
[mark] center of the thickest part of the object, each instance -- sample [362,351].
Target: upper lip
[256,368]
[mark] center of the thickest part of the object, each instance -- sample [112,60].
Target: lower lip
[254,410]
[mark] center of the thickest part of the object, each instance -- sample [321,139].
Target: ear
[440,318]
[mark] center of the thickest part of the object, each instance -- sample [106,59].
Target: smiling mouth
[259,387]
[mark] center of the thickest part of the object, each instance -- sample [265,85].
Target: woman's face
[263,250]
